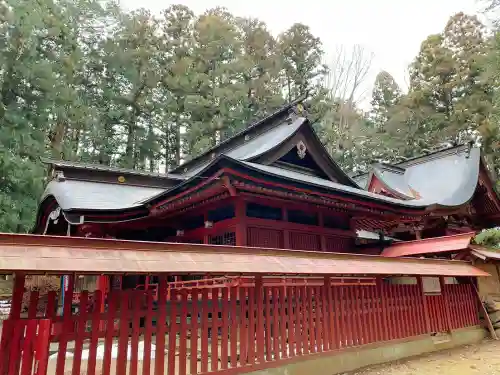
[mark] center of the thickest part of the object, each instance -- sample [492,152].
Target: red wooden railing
[231,329]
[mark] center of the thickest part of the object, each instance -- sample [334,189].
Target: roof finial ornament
[299,110]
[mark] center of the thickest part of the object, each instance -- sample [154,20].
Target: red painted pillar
[286,232]
[241,226]
[103,287]
[322,237]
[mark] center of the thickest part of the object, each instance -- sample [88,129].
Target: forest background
[84,80]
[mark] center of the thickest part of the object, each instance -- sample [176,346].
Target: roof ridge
[412,161]
[107,168]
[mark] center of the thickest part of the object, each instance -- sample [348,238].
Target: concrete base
[368,355]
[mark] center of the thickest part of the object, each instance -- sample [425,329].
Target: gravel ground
[481,359]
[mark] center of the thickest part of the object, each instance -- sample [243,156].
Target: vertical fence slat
[407,323]
[276,304]
[204,330]
[67,324]
[463,306]
[396,307]
[348,315]
[368,316]
[233,295]
[161,326]
[319,321]
[110,327]
[336,309]
[284,320]
[473,309]
[148,334]
[454,306]
[243,326]
[310,315]
[292,320]
[384,300]
[183,333]
[225,309]
[467,306]
[473,303]
[304,313]
[42,350]
[172,332]
[94,336]
[136,321]
[267,323]
[259,296]
[16,349]
[366,326]
[214,337]
[375,314]
[412,311]
[195,312]
[251,326]
[326,308]
[80,333]
[121,360]
[28,347]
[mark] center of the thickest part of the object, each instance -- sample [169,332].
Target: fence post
[260,318]
[42,347]
[424,304]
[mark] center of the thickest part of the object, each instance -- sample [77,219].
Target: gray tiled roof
[449,181]
[87,195]
[395,181]
[260,144]
[222,147]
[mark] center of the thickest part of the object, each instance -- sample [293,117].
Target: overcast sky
[391,29]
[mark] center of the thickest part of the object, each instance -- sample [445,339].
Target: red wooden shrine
[257,253]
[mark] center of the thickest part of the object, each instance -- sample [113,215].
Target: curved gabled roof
[446,178]
[258,145]
[87,195]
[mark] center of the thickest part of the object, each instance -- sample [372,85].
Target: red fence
[224,330]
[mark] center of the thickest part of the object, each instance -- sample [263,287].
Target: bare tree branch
[347,72]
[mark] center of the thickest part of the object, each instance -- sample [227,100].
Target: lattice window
[265,237]
[305,241]
[227,238]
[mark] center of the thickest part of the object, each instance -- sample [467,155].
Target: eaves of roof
[58,255]
[429,246]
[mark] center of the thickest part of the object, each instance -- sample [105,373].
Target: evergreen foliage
[86,81]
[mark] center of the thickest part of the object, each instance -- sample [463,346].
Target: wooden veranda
[279,307]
